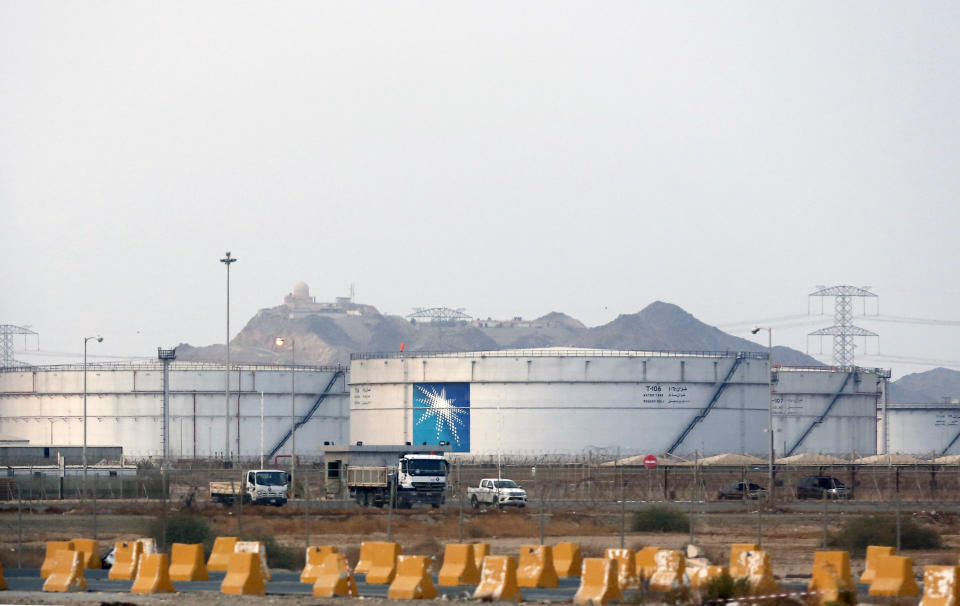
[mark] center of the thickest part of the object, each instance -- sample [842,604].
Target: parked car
[736,490]
[821,487]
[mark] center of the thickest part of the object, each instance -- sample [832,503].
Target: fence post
[19,528]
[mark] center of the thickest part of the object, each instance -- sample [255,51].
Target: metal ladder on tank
[303,420]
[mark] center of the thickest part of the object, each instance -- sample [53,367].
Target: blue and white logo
[441,413]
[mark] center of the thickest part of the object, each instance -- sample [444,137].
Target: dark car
[822,487]
[736,490]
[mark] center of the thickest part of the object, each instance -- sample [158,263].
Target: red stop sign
[650,462]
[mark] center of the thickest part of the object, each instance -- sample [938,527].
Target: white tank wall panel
[920,430]
[131,418]
[541,402]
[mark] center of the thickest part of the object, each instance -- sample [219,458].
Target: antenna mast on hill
[843,331]
[6,344]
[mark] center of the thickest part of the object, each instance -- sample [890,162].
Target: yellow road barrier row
[894,577]
[874,553]
[567,560]
[412,581]
[126,558]
[334,578]
[52,548]
[940,586]
[383,563]
[459,567]
[66,573]
[535,568]
[186,563]
[626,567]
[221,553]
[669,573]
[243,575]
[598,582]
[313,559]
[498,580]
[153,575]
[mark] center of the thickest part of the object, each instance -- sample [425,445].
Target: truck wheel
[474,502]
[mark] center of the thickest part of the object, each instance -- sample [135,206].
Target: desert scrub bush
[725,587]
[181,528]
[857,533]
[659,518]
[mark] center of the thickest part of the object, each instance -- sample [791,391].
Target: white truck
[418,478]
[499,492]
[259,487]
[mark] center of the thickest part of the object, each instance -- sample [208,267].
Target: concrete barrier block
[567,560]
[334,577]
[940,586]
[66,573]
[126,559]
[498,580]
[738,560]
[626,567]
[598,582]
[874,553]
[700,576]
[645,562]
[244,575]
[153,575]
[459,566]
[221,553]
[535,567]
[90,549]
[412,581]
[3,581]
[894,577]
[186,563]
[480,551]
[383,563]
[759,572]
[313,559]
[669,573]
[48,560]
[258,548]
[831,576]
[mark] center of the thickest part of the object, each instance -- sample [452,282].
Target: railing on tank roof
[185,365]
[558,352]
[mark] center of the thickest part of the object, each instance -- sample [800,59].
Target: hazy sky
[509,158]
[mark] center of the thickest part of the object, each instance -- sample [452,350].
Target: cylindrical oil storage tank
[922,429]
[825,409]
[44,404]
[562,401]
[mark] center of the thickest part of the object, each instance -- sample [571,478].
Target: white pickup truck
[501,493]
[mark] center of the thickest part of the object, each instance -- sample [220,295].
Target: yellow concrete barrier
[186,563]
[334,578]
[700,576]
[383,563]
[366,557]
[894,577]
[567,560]
[3,582]
[459,567]
[66,573]
[738,561]
[126,558]
[498,580]
[598,582]
[258,548]
[874,553]
[412,581]
[52,548]
[626,567]
[759,572]
[243,575]
[90,549]
[314,558]
[480,551]
[669,574]
[831,576]
[148,545]
[645,562]
[535,567]
[153,575]
[940,586]
[221,553]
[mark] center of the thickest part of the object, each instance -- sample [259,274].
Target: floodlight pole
[98,339]
[771,492]
[227,260]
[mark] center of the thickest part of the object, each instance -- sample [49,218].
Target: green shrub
[857,533]
[725,587]
[659,518]
[181,528]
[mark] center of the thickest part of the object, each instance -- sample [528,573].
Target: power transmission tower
[7,331]
[843,331]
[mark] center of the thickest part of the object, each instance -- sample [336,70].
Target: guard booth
[337,459]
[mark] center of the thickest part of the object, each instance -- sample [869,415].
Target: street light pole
[98,339]
[227,260]
[293,416]
[769,406]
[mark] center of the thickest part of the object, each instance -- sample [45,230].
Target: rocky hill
[926,387]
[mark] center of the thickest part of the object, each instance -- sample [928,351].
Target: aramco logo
[441,413]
